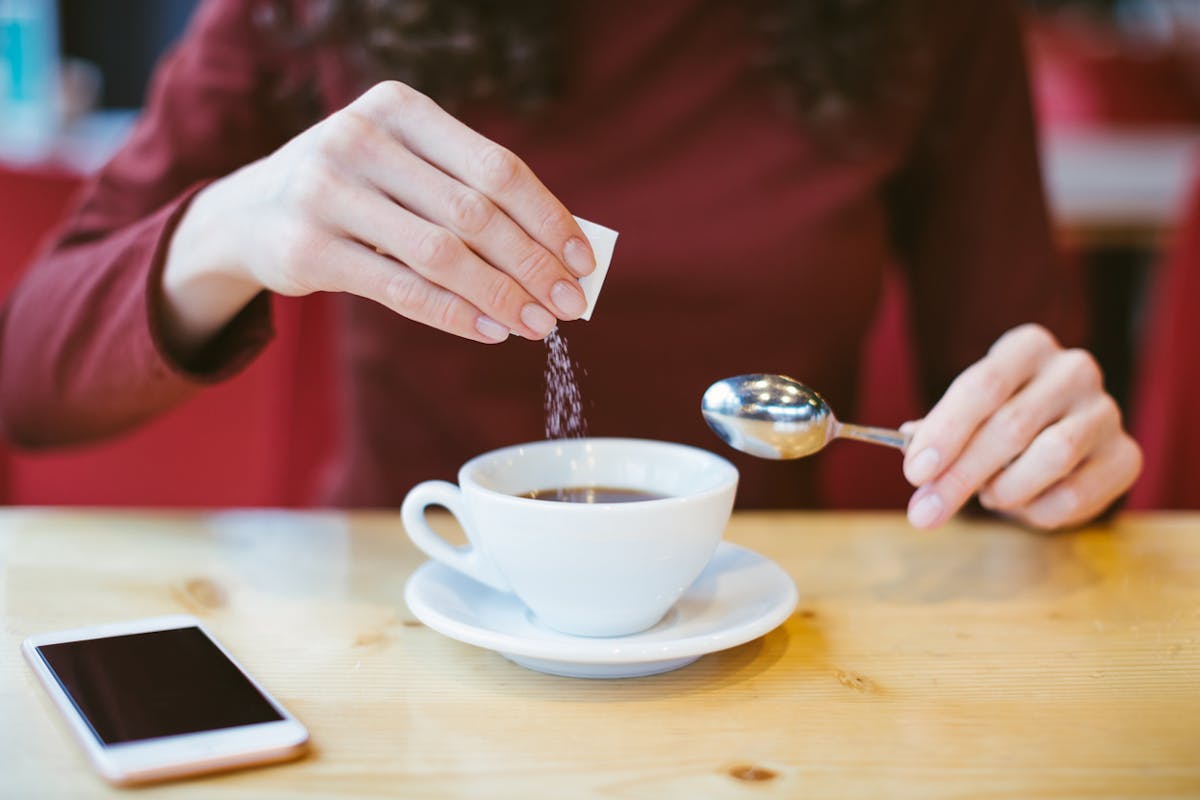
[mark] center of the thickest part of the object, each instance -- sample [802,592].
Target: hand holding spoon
[774,416]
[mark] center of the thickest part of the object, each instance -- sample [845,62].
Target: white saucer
[740,596]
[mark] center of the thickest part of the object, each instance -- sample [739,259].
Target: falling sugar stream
[564,403]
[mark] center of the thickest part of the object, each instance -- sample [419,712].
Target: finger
[355,268]
[441,258]
[1089,490]
[972,398]
[484,165]
[1053,454]
[1067,376]
[492,234]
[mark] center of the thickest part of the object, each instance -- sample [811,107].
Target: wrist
[205,282]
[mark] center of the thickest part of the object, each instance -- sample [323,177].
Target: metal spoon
[774,416]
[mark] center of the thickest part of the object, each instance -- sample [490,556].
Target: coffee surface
[593,494]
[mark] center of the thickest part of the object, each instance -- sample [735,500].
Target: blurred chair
[1119,111]
[31,203]
[1166,411]
[1145,326]
[258,439]
[29,206]
[1086,74]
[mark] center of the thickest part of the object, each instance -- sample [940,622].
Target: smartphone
[159,698]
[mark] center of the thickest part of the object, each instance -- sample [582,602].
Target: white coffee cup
[589,569]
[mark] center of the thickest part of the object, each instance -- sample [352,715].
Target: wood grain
[980,661]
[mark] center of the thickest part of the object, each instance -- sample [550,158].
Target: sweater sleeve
[81,355]
[969,214]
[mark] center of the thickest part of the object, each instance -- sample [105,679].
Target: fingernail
[924,467]
[926,511]
[492,331]
[538,319]
[578,256]
[568,298]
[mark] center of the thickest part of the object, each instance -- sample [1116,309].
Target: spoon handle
[865,433]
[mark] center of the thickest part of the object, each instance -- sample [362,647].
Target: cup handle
[466,559]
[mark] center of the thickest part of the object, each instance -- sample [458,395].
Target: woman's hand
[1031,429]
[391,199]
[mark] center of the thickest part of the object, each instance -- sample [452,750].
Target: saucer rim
[614,650]
[590,671]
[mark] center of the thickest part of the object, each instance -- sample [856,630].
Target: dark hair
[845,64]
[841,63]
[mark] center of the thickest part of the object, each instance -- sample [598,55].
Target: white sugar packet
[602,240]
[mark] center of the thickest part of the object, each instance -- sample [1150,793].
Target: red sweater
[745,246]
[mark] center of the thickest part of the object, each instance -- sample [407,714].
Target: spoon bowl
[777,417]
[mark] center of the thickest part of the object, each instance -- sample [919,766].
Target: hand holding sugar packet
[602,240]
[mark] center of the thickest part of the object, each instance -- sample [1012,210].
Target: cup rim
[728,482]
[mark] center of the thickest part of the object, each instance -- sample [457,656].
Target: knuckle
[531,265]
[311,186]
[986,381]
[1036,336]
[502,294]
[405,293]
[1043,518]
[444,311]
[348,134]
[496,168]
[1134,455]
[1081,368]
[960,484]
[994,496]
[1109,412]
[1001,503]
[1126,456]
[1007,502]
[1016,424]
[552,222]
[1028,336]
[1067,506]
[392,95]
[470,211]
[436,248]
[393,91]
[1060,450]
[300,247]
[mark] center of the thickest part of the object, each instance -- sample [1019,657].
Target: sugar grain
[564,403]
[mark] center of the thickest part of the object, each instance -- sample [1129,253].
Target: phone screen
[162,683]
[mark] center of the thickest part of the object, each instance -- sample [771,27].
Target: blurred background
[1117,90]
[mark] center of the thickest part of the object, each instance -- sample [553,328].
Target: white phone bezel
[168,756]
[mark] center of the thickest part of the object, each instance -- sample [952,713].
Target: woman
[745,231]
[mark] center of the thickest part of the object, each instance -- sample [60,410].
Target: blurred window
[123,39]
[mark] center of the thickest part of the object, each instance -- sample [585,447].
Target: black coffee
[593,494]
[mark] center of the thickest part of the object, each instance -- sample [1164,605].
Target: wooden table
[980,661]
